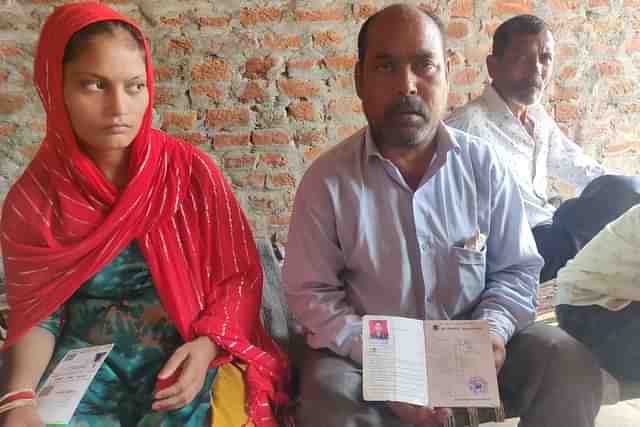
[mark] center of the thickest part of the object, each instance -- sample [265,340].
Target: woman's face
[105,92]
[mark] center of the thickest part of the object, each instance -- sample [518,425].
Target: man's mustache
[408,105]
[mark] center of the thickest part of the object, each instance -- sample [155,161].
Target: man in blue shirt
[412,218]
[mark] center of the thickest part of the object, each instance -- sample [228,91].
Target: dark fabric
[548,380]
[578,220]
[612,336]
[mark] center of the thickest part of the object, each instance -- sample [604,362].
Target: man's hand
[420,416]
[193,360]
[499,351]
[25,416]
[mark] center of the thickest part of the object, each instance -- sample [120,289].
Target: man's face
[402,79]
[522,74]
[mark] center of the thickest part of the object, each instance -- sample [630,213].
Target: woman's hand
[24,416]
[192,360]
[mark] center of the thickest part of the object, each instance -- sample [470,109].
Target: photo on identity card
[434,363]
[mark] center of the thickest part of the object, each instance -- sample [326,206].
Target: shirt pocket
[466,280]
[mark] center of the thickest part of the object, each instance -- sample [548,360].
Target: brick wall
[264,86]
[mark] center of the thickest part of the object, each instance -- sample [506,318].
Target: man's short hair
[364,30]
[521,24]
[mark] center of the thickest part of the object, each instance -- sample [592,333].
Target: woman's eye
[94,85]
[137,87]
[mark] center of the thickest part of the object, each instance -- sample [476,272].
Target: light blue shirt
[361,241]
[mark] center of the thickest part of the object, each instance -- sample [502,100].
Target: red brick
[221,140]
[429,7]
[173,21]
[622,88]
[8,129]
[566,112]
[303,111]
[609,24]
[568,72]
[311,137]
[566,51]
[598,3]
[165,72]
[610,68]
[635,23]
[327,39]
[213,69]
[239,161]
[222,117]
[259,15]
[10,104]
[363,11]
[262,202]
[258,67]
[180,46]
[565,93]
[212,92]
[631,3]
[164,95]
[341,62]
[345,82]
[281,180]
[253,91]
[194,138]
[565,5]
[272,160]
[214,21]
[282,41]
[320,15]
[345,106]
[253,179]
[458,29]
[630,108]
[461,8]
[512,7]
[465,77]
[184,121]
[10,50]
[633,45]
[297,88]
[303,64]
[270,137]
[619,148]
[280,219]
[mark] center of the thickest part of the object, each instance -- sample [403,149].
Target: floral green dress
[120,305]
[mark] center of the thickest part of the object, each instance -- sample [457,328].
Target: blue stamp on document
[478,385]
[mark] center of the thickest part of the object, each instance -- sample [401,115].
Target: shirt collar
[496,104]
[444,140]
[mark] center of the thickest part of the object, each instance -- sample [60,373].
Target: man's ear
[357,76]
[492,66]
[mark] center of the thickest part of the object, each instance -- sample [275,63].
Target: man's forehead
[542,41]
[418,36]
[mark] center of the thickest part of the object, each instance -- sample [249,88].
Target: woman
[118,233]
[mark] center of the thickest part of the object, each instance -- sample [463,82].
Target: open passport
[433,363]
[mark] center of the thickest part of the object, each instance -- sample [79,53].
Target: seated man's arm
[513,263]
[568,162]
[313,263]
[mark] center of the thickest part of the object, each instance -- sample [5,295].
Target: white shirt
[531,159]
[361,241]
[606,271]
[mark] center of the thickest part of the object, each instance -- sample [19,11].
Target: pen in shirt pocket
[476,242]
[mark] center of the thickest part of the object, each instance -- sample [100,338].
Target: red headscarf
[63,222]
